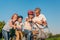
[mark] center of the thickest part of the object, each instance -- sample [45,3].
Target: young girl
[8,26]
[27,25]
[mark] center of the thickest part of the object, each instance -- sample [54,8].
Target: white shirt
[7,27]
[27,26]
[39,18]
[19,25]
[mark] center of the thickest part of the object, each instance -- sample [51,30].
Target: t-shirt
[27,26]
[7,26]
[39,18]
[19,25]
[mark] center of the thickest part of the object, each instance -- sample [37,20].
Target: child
[27,24]
[19,25]
[8,26]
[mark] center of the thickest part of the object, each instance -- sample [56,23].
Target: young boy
[19,25]
[27,24]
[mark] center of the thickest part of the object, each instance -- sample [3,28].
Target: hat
[30,12]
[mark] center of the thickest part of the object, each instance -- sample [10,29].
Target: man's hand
[39,22]
[44,23]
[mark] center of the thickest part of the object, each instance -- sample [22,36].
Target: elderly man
[40,20]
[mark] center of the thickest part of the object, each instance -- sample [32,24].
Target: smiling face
[20,20]
[37,11]
[14,17]
[30,16]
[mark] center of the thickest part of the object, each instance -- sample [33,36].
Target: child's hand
[18,27]
[14,27]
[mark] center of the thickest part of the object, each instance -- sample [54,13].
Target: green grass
[56,38]
[1,39]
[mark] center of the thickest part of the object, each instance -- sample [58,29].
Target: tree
[2,23]
[50,35]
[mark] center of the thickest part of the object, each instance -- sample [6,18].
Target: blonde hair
[13,15]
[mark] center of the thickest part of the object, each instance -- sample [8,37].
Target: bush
[2,23]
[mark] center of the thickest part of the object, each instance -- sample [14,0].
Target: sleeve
[21,24]
[25,23]
[43,18]
[16,23]
[26,18]
[33,20]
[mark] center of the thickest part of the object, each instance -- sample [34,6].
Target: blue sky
[50,8]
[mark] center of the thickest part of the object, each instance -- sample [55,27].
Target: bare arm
[39,22]
[11,25]
[44,23]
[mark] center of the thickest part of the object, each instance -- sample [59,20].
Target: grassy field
[56,38]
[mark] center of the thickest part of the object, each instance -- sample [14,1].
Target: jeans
[28,34]
[5,35]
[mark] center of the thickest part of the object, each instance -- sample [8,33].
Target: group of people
[34,23]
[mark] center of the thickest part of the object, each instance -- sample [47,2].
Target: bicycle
[39,34]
